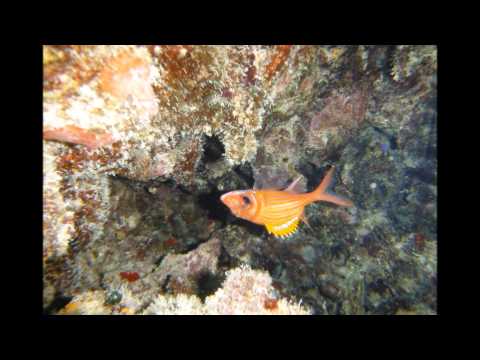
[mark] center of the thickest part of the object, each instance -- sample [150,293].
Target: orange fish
[279,210]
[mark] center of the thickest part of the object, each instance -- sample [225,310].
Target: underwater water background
[140,142]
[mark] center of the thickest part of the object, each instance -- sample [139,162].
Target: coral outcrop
[140,142]
[244,292]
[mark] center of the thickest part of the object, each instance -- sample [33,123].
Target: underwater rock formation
[244,292]
[143,112]
[181,272]
[140,142]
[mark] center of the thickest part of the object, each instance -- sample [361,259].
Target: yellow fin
[284,229]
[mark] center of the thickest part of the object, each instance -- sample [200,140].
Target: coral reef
[143,113]
[141,141]
[182,271]
[250,292]
[244,292]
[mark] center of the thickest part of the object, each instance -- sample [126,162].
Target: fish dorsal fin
[294,187]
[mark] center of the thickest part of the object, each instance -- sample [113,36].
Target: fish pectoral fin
[284,229]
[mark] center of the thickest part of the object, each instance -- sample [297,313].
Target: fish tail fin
[320,193]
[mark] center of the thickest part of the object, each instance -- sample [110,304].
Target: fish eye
[246,200]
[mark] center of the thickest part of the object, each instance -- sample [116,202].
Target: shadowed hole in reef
[253,229]
[208,284]
[213,149]
[245,172]
[215,208]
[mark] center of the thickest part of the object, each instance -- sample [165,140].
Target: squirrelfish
[280,211]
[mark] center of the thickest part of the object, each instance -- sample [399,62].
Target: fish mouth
[223,197]
[229,199]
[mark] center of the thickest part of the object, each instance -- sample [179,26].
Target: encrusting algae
[279,210]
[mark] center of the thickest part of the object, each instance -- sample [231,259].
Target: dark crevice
[245,172]
[208,284]
[213,149]
[183,189]
[253,229]
[165,284]
[215,208]
[158,262]
[387,69]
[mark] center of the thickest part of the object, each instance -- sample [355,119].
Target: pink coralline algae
[77,135]
[128,76]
